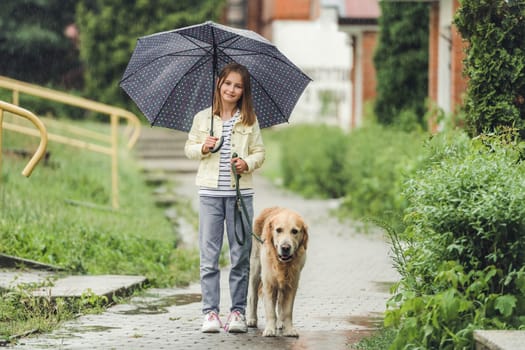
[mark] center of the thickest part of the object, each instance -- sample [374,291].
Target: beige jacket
[246,141]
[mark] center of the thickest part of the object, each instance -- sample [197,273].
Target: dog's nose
[285,249]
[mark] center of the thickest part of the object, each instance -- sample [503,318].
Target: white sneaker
[236,323]
[211,323]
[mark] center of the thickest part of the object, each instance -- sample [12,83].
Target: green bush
[461,256]
[495,63]
[401,62]
[377,161]
[365,167]
[312,160]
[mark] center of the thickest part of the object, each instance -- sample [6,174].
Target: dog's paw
[252,323]
[290,332]
[269,332]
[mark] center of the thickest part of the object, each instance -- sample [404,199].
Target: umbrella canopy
[171,75]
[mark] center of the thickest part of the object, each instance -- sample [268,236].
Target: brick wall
[270,10]
[293,9]
[458,80]
[433,52]
[433,62]
[254,21]
[369,71]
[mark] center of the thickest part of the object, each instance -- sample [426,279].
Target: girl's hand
[209,144]
[240,165]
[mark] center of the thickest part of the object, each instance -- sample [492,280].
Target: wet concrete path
[341,298]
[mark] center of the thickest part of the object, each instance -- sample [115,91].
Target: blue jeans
[214,213]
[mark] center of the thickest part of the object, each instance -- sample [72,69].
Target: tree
[495,64]
[109,30]
[33,46]
[401,62]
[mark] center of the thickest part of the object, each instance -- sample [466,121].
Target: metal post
[1,132]
[16,98]
[114,161]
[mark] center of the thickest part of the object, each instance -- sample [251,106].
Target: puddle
[73,332]
[182,299]
[383,287]
[155,306]
[371,321]
[324,340]
[87,329]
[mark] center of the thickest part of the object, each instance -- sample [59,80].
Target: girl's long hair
[245,103]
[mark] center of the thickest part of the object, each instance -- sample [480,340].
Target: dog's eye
[279,230]
[295,231]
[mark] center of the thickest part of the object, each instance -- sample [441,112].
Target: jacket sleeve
[256,150]
[193,146]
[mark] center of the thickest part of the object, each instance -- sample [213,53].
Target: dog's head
[287,232]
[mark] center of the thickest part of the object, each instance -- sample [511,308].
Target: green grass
[380,340]
[21,314]
[38,222]
[271,168]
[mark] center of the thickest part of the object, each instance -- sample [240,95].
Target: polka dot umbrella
[171,75]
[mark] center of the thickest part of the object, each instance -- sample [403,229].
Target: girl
[234,119]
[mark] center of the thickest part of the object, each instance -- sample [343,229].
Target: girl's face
[231,88]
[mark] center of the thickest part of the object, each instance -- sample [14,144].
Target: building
[323,53]
[258,15]
[360,23]
[309,36]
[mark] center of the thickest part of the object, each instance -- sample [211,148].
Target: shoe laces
[234,315]
[210,316]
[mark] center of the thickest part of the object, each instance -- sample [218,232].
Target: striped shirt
[224,188]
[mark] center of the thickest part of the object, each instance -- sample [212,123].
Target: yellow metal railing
[41,150]
[115,114]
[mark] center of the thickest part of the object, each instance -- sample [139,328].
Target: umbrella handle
[218,145]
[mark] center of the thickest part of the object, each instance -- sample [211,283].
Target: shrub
[377,161]
[462,253]
[312,160]
[401,62]
[365,167]
[495,63]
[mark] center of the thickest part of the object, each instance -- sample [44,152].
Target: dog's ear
[305,236]
[267,235]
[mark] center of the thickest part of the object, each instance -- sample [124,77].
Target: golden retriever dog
[275,268]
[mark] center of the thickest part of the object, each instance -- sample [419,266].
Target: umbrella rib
[281,113]
[189,71]
[255,53]
[178,54]
[181,54]
[193,41]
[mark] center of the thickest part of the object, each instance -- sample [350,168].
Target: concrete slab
[499,340]
[9,261]
[55,286]
[101,285]
[10,278]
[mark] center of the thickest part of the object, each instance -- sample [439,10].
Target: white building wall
[444,55]
[324,54]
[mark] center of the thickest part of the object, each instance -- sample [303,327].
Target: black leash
[241,211]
